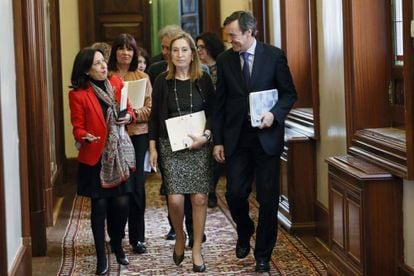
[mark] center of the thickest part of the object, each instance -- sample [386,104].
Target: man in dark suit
[251,154]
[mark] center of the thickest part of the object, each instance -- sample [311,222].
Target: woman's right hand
[91,138]
[153,159]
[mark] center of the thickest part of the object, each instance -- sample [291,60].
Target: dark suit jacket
[87,117]
[155,69]
[270,70]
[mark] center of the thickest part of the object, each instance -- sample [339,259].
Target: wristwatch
[208,136]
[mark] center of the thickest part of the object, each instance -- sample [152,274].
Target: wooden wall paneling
[365,204]
[104,20]
[298,184]
[37,121]
[298,49]
[57,89]
[299,41]
[368,60]
[261,14]
[210,20]
[408,73]
[314,67]
[87,27]
[372,64]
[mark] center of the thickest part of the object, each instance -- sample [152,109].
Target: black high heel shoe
[178,259]
[199,268]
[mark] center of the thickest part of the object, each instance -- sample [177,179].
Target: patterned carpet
[291,256]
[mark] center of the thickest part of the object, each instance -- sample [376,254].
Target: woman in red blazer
[106,155]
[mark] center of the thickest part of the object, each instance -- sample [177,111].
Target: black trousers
[247,164]
[136,219]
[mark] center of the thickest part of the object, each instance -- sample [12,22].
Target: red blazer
[87,117]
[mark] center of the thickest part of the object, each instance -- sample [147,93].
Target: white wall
[10,132]
[331,90]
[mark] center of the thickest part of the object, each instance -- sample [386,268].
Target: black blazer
[159,111]
[270,70]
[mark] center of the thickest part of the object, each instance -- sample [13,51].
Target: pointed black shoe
[178,259]
[262,266]
[199,268]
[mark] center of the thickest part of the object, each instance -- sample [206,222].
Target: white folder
[179,127]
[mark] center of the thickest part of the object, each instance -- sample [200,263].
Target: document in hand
[261,102]
[136,92]
[178,129]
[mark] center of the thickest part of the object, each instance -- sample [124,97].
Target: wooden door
[104,20]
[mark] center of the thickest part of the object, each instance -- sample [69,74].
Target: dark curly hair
[212,42]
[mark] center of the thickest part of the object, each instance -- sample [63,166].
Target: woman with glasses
[209,46]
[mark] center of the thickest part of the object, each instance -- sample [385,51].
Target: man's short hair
[246,21]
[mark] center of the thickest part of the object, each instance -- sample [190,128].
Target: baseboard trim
[22,264]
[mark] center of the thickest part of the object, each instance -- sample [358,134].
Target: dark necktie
[246,69]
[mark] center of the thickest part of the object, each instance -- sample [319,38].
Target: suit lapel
[259,58]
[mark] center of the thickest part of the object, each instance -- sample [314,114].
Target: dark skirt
[185,171]
[89,183]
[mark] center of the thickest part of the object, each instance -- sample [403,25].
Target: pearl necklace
[176,97]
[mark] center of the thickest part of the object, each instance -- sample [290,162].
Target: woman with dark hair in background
[96,119]
[209,46]
[124,62]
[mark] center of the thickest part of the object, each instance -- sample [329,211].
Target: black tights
[115,208]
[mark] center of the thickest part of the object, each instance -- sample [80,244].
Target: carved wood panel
[104,20]
[365,204]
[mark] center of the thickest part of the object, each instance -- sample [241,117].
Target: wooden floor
[50,264]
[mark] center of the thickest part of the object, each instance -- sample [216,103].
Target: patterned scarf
[118,156]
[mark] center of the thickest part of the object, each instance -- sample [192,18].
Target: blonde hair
[195,65]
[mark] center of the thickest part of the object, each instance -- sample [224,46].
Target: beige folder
[178,129]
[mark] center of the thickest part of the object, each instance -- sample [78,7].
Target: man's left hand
[267,120]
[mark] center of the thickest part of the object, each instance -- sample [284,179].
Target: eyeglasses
[201,47]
